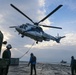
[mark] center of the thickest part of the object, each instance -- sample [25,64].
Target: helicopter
[34,31]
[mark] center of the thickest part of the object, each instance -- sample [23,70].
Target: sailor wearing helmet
[7,55]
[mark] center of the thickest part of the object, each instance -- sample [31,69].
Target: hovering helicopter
[34,31]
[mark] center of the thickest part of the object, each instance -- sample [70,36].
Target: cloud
[70,39]
[7,36]
[70,3]
[42,3]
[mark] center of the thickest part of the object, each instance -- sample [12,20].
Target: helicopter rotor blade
[21,12]
[51,26]
[51,13]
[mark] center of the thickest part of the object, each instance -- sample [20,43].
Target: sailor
[73,65]
[33,63]
[7,55]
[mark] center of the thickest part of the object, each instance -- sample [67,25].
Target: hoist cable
[27,51]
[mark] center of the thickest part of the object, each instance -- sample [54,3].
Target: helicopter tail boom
[57,39]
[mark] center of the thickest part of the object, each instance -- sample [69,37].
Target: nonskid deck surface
[42,69]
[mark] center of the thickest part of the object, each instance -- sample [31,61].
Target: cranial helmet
[9,46]
[72,57]
[31,54]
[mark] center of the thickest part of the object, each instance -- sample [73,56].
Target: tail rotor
[58,38]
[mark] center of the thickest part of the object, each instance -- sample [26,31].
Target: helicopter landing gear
[36,42]
[22,36]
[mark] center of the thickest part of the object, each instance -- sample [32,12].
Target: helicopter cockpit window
[27,24]
[39,29]
[23,26]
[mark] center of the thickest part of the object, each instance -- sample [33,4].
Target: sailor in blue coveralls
[33,63]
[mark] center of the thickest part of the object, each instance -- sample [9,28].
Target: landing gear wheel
[22,36]
[36,42]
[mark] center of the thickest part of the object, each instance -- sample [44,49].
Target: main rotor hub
[36,23]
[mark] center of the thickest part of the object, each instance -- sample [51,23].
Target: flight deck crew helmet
[31,54]
[9,46]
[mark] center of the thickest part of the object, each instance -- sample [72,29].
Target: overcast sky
[49,51]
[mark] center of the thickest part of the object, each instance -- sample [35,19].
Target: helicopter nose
[17,28]
[20,30]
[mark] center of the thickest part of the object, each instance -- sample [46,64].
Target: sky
[46,51]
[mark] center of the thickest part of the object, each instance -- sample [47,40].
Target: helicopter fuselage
[33,31]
